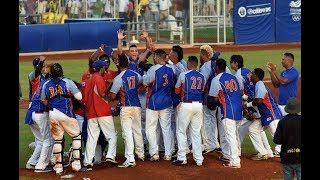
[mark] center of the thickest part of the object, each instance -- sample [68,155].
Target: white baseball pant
[44,142]
[164,118]
[143,102]
[59,122]
[190,113]
[130,118]
[272,127]
[80,120]
[230,127]
[106,125]
[242,130]
[281,108]
[209,130]
[255,130]
[225,148]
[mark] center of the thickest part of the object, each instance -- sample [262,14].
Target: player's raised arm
[121,36]
[39,67]
[94,56]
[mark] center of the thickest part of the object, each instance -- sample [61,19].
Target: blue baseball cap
[108,50]
[35,61]
[98,64]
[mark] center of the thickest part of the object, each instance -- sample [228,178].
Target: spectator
[288,134]
[53,6]
[42,6]
[154,12]
[179,11]
[108,9]
[131,13]
[123,9]
[85,9]
[143,10]
[186,13]
[97,9]
[287,81]
[164,6]
[75,9]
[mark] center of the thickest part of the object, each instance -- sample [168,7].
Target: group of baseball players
[167,106]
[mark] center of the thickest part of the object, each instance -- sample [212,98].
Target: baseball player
[243,74]
[209,130]
[38,120]
[175,58]
[127,85]
[268,109]
[287,81]
[226,89]
[159,79]
[134,60]
[98,111]
[180,49]
[57,94]
[190,85]
[36,75]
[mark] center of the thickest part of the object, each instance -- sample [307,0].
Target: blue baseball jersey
[268,109]
[178,69]
[243,74]
[226,87]
[33,83]
[159,78]
[36,103]
[291,89]
[58,92]
[127,85]
[191,85]
[207,69]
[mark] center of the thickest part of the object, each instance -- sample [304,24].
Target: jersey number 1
[131,82]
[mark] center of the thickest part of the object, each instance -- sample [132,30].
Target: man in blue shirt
[287,81]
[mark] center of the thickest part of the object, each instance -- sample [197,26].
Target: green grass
[75,68]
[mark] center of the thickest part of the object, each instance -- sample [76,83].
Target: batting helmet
[56,70]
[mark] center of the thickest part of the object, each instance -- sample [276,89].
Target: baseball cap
[35,61]
[108,50]
[98,64]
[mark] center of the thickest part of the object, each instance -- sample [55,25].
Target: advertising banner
[288,21]
[254,21]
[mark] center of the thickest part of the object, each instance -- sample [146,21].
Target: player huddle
[166,106]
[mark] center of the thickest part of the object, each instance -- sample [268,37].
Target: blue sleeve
[215,87]
[180,80]
[117,83]
[72,86]
[150,76]
[260,90]
[291,75]
[206,70]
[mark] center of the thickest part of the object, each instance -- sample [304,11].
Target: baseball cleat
[221,158]
[230,165]
[155,157]
[199,163]
[276,154]
[47,169]
[167,157]
[218,150]
[111,160]
[141,158]
[127,164]
[259,157]
[30,166]
[207,151]
[179,162]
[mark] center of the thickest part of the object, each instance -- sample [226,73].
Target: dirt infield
[212,168]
